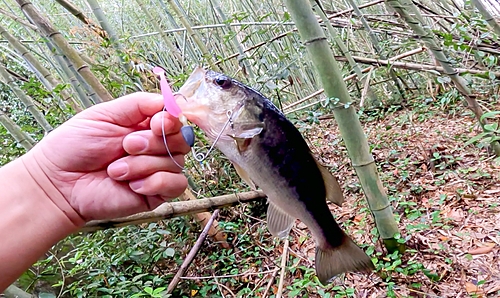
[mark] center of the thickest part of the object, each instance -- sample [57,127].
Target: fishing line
[165,141]
[198,156]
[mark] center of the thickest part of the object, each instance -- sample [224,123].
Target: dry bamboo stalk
[415,66]
[192,253]
[75,11]
[44,72]
[18,19]
[174,209]
[48,30]
[284,259]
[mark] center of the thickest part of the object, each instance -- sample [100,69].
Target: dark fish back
[289,153]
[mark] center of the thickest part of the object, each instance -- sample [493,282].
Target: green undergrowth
[140,261]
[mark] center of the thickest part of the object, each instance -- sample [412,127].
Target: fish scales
[268,150]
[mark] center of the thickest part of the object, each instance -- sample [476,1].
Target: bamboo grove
[60,57]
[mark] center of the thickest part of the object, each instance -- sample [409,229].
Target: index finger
[128,110]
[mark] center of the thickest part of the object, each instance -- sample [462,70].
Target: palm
[76,157]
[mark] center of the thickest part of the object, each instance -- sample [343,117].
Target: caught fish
[267,150]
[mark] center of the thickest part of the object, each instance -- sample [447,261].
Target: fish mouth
[193,83]
[186,97]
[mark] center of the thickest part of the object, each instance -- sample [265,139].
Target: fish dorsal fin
[279,223]
[333,191]
[244,176]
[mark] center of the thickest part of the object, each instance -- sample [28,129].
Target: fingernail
[118,169]
[137,184]
[188,134]
[138,143]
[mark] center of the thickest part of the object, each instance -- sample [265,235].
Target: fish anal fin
[244,176]
[348,257]
[333,191]
[279,223]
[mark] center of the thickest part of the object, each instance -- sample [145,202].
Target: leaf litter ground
[445,195]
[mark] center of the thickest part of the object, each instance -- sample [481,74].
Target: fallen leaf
[473,289]
[481,250]
[359,217]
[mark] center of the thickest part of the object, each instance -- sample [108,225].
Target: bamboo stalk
[345,51]
[113,38]
[487,16]
[242,57]
[417,66]
[168,43]
[49,31]
[18,19]
[175,209]
[404,8]
[25,99]
[71,8]
[44,72]
[193,34]
[203,218]
[16,132]
[350,128]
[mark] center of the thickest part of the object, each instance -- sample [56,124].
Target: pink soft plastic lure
[168,97]
[173,109]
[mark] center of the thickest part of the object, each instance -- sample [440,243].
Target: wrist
[30,221]
[46,189]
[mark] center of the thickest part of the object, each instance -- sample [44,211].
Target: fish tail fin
[331,261]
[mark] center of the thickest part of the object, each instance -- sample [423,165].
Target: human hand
[110,160]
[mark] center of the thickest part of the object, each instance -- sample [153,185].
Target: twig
[174,209]
[229,275]
[414,66]
[270,283]
[219,285]
[284,258]
[192,253]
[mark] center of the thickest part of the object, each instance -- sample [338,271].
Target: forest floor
[446,197]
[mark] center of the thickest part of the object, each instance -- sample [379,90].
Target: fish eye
[223,82]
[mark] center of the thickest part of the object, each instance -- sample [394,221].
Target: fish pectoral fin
[244,176]
[243,133]
[246,130]
[279,223]
[334,193]
[242,144]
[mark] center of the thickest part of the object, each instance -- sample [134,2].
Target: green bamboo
[172,49]
[376,45]
[113,38]
[242,58]
[407,10]
[44,72]
[48,30]
[25,99]
[374,101]
[487,16]
[194,35]
[70,73]
[184,47]
[16,132]
[350,128]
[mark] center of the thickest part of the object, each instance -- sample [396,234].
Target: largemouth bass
[267,150]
